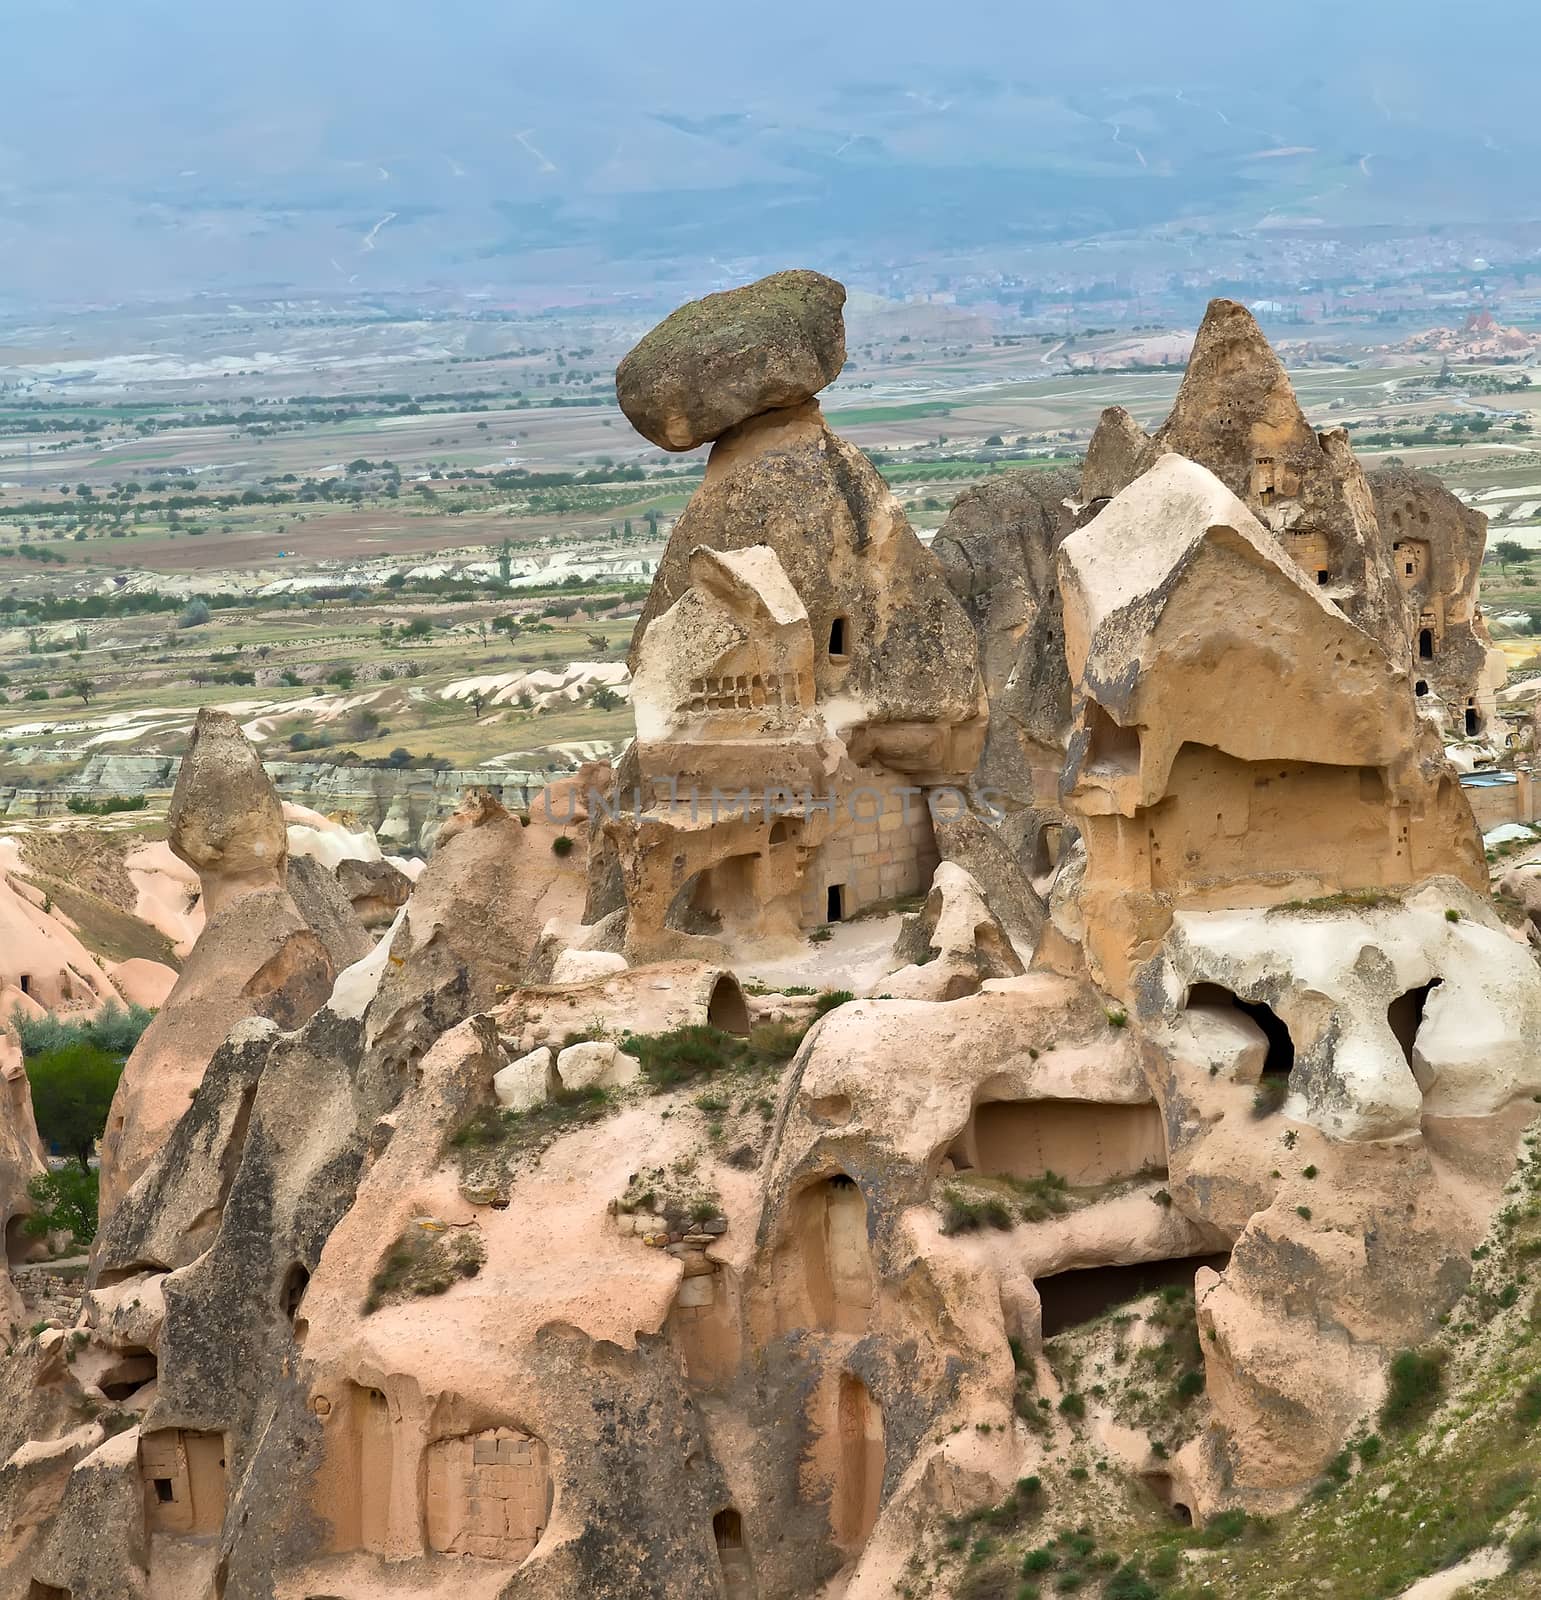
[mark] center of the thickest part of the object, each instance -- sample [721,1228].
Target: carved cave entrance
[1082,1141]
[1071,1298]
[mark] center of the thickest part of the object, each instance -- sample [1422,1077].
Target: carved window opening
[1280,1060]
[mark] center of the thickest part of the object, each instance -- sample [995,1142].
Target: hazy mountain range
[165,146]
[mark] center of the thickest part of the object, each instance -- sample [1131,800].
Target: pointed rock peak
[225,820]
[1233,379]
[1114,455]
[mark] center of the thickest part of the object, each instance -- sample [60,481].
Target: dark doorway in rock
[38,1590]
[19,1244]
[1420,688]
[1281,1048]
[1425,644]
[296,1281]
[727,1008]
[132,1368]
[834,903]
[26,983]
[838,629]
[781,831]
[1071,1298]
[1323,577]
[1473,722]
[1405,1016]
[737,1575]
[1163,1490]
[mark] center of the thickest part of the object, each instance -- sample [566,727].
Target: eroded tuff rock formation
[256,955]
[535,1257]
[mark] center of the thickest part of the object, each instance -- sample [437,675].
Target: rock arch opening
[1112,748]
[727,1009]
[1280,1059]
[19,1244]
[1083,1294]
[1082,1141]
[733,1555]
[1425,644]
[1404,1016]
[132,1368]
[839,638]
[38,1590]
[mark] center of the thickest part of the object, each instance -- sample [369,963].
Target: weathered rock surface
[257,955]
[997,550]
[717,362]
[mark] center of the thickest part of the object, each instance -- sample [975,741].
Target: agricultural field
[333,525]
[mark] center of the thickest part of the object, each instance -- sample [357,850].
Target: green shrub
[1527,1409]
[1073,1406]
[1525,1547]
[1039,1560]
[84,807]
[830,999]
[963,1213]
[1412,1387]
[64,1201]
[1129,1583]
[1224,1528]
[561,845]
[113,1029]
[1190,1384]
[695,1051]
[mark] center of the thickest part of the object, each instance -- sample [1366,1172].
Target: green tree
[506,559]
[84,687]
[72,1088]
[1507,550]
[64,1202]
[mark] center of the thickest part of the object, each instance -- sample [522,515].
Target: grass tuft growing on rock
[428,1258]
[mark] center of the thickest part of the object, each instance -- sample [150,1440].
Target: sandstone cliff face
[532,1258]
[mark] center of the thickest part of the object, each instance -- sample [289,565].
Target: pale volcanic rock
[953,944]
[581,966]
[225,821]
[168,894]
[1114,454]
[526,1082]
[787,482]
[142,982]
[718,361]
[596,1064]
[472,923]
[256,957]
